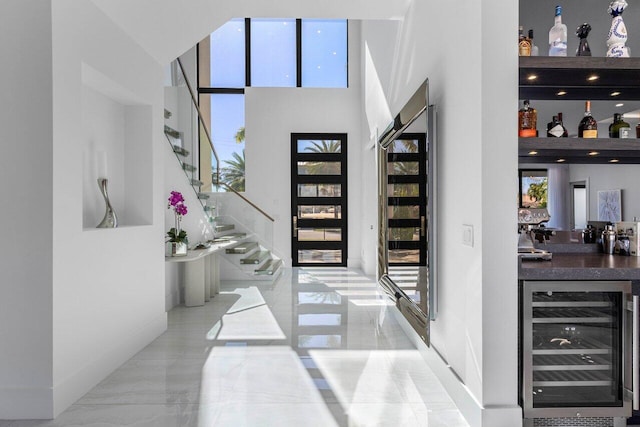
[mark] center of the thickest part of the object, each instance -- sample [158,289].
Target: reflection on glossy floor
[317,348]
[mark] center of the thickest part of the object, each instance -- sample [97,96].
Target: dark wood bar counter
[581,266]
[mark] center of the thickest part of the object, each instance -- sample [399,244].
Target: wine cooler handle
[636,355]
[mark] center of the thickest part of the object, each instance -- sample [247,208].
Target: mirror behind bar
[418,313]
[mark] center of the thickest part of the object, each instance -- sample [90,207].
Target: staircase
[246,228]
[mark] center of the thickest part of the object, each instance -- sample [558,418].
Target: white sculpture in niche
[617,36]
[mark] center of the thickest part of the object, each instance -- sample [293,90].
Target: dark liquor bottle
[555,129]
[619,128]
[527,121]
[588,127]
[565,134]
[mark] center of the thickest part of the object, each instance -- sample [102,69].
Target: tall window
[265,53]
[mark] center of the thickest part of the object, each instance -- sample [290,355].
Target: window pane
[319,212]
[319,190]
[534,185]
[227,123]
[320,234]
[320,256]
[404,255]
[403,168]
[273,52]
[404,146]
[404,190]
[323,146]
[405,234]
[324,53]
[404,212]
[319,168]
[228,55]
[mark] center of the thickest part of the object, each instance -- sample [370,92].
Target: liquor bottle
[534,48]
[565,134]
[555,129]
[527,121]
[524,45]
[588,127]
[619,128]
[558,36]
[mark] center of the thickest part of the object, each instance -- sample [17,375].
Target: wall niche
[117,138]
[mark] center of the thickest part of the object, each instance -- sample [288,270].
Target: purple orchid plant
[176,202]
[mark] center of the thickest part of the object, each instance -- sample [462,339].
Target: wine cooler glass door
[576,345]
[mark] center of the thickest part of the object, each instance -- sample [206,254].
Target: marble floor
[319,347]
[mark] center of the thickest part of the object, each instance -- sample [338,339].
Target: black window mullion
[247,51]
[404,201]
[298,52]
[320,201]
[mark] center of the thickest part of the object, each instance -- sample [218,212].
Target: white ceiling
[168,28]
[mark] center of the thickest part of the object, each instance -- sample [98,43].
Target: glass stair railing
[234,218]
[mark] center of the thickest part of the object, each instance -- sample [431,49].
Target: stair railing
[229,206]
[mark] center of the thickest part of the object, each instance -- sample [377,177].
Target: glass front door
[407,204]
[319,199]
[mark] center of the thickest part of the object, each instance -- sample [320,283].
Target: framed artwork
[610,205]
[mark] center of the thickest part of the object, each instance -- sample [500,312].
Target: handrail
[215,154]
[233,190]
[197,107]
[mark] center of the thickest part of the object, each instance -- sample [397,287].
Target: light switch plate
[467,235]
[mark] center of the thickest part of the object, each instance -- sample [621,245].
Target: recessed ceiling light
[616,93]
[533,153]
[532,77]
[561,93]
[561,160]
[614,161]
[593,153]
[620,104]
[593,77]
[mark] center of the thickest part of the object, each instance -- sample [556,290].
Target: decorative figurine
[617,36]
[582,32]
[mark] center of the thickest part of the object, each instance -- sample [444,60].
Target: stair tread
[256,257]
[203,196]
[269,267]
[224,227]
[188,167]
[180,151]
[242,248]
[196,182]
[171,132]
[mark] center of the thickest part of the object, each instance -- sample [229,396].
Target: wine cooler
[576,350]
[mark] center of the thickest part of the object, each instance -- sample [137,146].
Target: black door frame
[317,201]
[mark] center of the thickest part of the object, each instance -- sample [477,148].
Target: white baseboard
[472,410]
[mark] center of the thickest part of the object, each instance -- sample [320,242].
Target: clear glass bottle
[524,44]
[588,127]
[534,48]
[527,121]
[619,128]
[558,36]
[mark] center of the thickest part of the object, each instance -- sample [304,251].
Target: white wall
[610,177]
[108,291]
[476,329]
[26,189]
[271,115]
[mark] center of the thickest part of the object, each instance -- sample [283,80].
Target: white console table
[201,273]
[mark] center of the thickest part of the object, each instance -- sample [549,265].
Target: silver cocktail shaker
[608,239]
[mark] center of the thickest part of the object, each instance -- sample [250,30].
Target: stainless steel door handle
[423,227]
